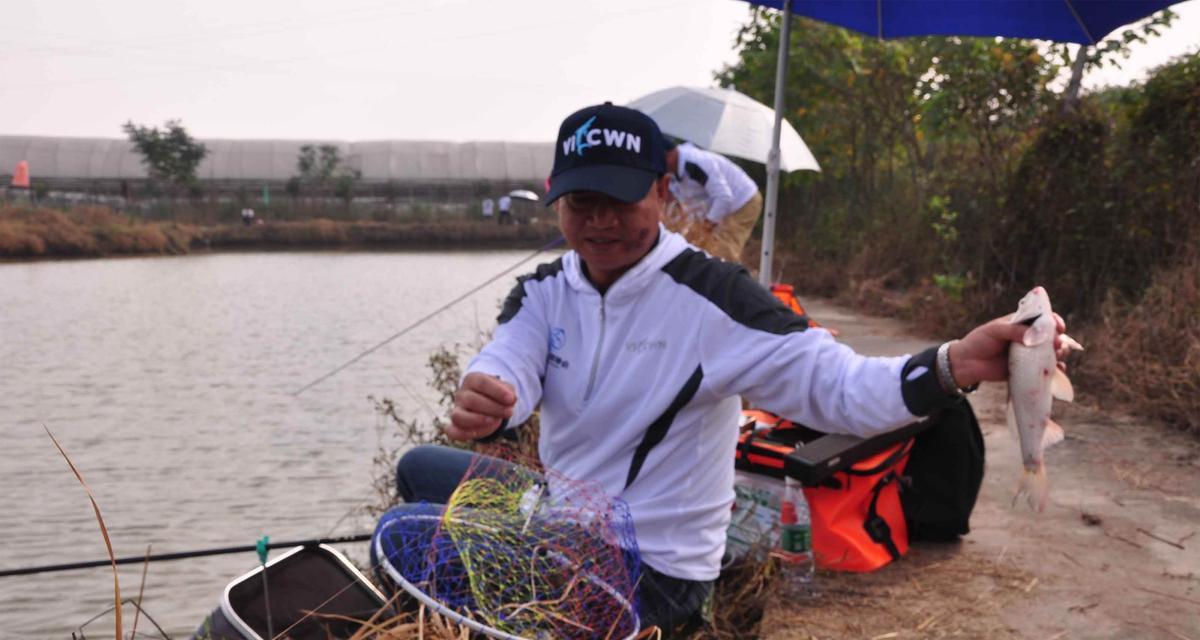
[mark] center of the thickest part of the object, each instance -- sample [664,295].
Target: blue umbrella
[1078,21]
[1085,22]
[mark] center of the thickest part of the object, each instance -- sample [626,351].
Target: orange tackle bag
[857,519]
[868,498]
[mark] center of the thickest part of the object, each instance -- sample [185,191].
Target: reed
[103,533]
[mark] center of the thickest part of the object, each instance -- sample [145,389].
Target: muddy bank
[1116,554]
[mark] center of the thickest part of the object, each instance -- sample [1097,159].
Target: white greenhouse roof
[399,160]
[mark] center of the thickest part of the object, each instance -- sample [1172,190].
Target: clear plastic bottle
[794,551]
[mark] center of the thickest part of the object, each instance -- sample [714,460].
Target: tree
[171,155]
[1109,52]
[322,167]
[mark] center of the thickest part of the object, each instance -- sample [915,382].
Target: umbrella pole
[768,239]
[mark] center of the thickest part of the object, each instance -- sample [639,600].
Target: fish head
[1033,305]
[1034,312]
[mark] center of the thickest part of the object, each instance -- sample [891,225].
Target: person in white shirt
[636,347]
[723,202]
[489,207]
[505,210]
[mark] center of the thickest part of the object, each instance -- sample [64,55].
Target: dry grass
[1146,354]
[934,592]
[740,598]
[103,533]
[29,232]
[32,232]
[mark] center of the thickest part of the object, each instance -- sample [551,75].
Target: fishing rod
[431,314]
[181,555]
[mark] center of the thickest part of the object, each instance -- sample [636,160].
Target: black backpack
[943,475]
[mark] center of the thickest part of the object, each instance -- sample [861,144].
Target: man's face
[610,235]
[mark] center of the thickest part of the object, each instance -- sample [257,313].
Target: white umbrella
[727,122]
[524,194]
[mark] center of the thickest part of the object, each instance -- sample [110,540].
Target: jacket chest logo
[645,345]
[558,338]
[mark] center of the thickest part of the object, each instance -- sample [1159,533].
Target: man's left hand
[982,355]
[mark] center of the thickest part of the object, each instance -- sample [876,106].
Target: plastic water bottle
[794,553]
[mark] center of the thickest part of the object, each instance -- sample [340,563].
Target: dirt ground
[1116,554]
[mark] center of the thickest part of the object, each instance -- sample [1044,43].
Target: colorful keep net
[524,553]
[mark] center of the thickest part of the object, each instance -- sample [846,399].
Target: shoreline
[32,235]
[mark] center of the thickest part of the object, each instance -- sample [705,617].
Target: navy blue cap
[612,150]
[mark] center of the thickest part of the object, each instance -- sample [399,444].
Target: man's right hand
[481,404]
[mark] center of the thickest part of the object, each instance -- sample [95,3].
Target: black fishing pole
[181,555]
[431,314]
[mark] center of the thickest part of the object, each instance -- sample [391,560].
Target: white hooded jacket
[639,387]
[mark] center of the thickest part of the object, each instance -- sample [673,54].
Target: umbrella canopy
[727,122]
[524,194]
[1080,21]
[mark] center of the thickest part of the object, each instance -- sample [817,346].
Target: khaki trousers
[729,237]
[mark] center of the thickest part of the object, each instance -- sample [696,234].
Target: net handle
[459,618]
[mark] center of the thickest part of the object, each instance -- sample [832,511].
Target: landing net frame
[459,618]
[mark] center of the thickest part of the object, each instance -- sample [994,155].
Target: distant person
[489,208]
[247,216]
[728,200]
[505,210]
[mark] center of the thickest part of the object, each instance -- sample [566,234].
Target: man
[505,203]
[489,208]
[637,347]
[728,200]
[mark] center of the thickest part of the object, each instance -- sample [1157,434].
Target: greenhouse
[61,161]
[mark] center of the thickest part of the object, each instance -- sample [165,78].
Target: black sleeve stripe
[730,287]
[512,304]
[695,173]
[923,393]
[658,429]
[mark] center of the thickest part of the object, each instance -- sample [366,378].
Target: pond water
[169,382]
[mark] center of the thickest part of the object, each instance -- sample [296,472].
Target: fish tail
[1034,487]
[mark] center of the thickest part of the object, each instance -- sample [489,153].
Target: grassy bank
[30,232]
[27,232]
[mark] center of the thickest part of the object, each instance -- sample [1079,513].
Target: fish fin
[1034,487]
[1060,386]
[1070,342]
[1037,334]
[1052,435]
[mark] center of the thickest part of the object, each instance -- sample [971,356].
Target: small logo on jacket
[558,336]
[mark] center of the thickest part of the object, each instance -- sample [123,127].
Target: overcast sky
[371,69]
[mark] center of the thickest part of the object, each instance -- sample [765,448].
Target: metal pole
[768,239]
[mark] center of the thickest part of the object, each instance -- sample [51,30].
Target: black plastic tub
[304,579]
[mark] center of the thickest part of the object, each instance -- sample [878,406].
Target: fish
[1034,381]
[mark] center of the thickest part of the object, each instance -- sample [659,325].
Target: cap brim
[627,184]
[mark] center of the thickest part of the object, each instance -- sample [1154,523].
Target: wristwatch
[946,376]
